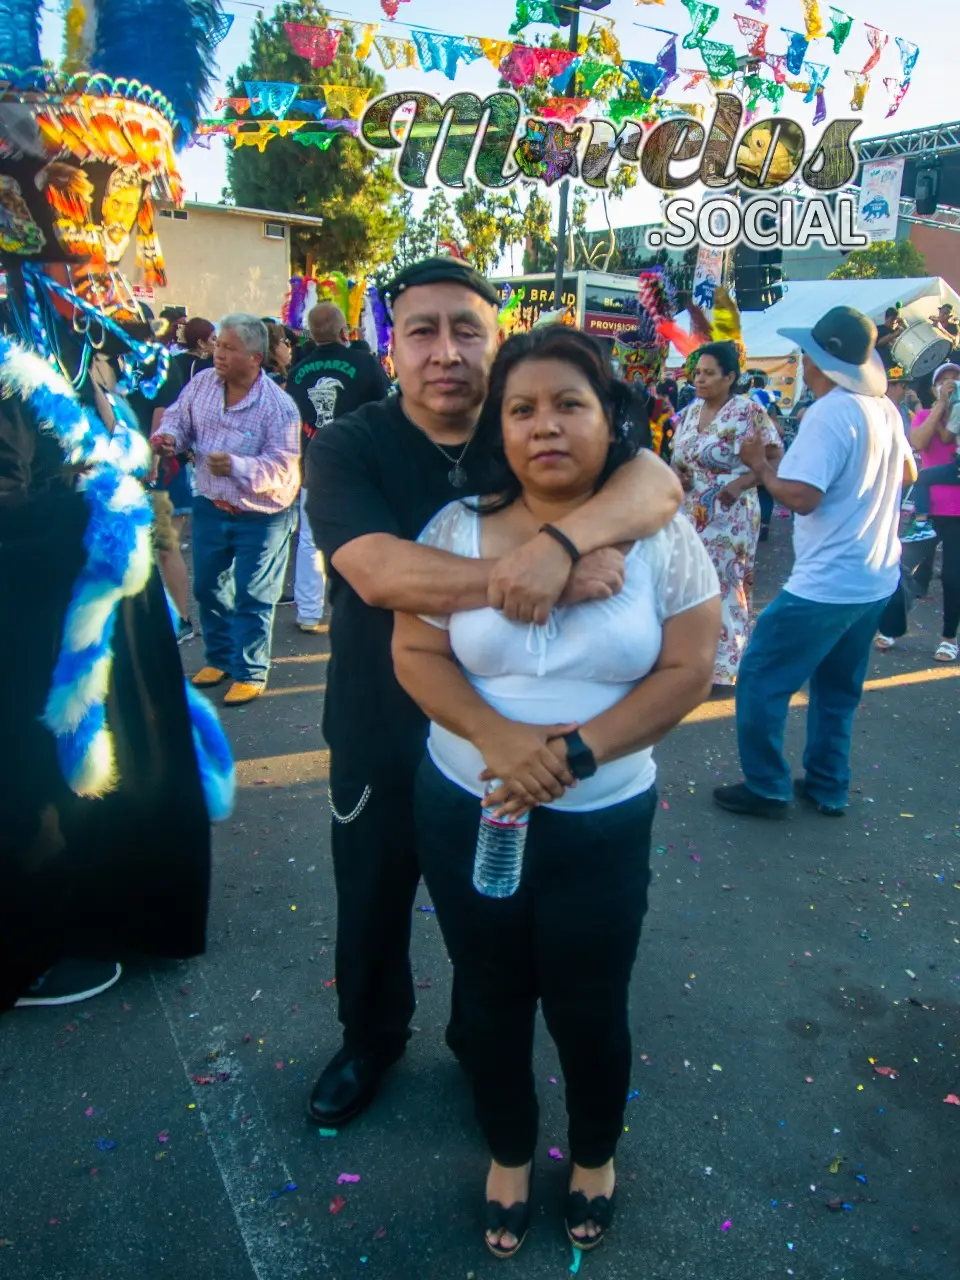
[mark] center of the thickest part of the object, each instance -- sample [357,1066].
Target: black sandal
[516,1220]
[579,1210]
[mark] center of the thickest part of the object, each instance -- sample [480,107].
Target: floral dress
[730,536]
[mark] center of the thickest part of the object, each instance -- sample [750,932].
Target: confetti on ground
[380,1233]
[275,1195]
[337,1203]
[256,996]
[331,983]
[347,1177]
[577,1259]
[327,1133]
[886,1071]
[104,1144]
[952,1099]
[634,1093]
[163,1136]
[727,1225]
[429,910]
[716,1067]
[89,1111]
[555,1153]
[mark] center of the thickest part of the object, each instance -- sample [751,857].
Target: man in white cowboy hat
[843,477]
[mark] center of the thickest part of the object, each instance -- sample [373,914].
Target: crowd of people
[523,600]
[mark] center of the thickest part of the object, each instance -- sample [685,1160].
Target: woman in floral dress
[721,493]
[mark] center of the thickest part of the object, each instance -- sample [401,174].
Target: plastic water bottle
[499,859]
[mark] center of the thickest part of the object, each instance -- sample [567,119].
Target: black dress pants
[568,938]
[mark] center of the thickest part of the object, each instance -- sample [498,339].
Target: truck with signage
[603,304]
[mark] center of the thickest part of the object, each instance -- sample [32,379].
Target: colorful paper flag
[841,24]
[565,109]
[442,52]
[702,18]
[390,7]
[318,45]
[719,59]
[877,41]
[534,11]
[861,83]
[312,107]
[813,19]
[796,50]
[648,76]
[909,53]
[346,98]
[820,110]
[896,92]
[755,34]
[777,62]
[275,96]
[395,54]
[817,73]
[494,50]
[589,74]
[759,5]
[525,63]
[314,138]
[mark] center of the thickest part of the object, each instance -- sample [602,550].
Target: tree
[346,185]
[490,223]
[884,260]
[539,249]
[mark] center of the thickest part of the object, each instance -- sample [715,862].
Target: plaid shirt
[261,433]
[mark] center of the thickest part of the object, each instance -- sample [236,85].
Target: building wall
[219,262]
[941,248]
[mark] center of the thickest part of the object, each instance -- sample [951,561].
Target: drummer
[887,334]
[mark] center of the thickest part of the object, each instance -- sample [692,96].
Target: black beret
[440,271]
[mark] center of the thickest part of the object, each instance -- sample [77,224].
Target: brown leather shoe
[208,677]
[240,692]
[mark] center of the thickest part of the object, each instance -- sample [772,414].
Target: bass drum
[920,349]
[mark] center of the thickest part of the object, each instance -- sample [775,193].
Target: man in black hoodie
[330,380]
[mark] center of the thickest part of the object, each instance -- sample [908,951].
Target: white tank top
[582,662]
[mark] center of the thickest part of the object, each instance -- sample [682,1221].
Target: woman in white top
[505,702]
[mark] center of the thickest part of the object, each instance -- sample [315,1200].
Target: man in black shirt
[887,334]
[330,380]
[374,480]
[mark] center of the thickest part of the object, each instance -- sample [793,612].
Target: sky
[204,172]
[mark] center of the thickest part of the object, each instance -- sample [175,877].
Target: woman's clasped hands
[530,763]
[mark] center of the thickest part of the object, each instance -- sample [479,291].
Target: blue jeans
[238,568]
[793,641]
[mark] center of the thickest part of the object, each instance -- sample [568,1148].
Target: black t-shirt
[332,380]
[188,365]
[372,472]
[143,408]
[885,352]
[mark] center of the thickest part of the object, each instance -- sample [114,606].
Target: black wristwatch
[580,758]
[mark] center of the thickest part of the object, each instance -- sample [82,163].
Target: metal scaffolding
[938,139]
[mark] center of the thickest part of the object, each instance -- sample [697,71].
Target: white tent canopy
[805,301]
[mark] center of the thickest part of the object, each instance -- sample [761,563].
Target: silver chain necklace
[457,475]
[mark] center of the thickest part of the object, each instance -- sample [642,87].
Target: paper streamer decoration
[820,110]
[523,64]
[896,92]
[777,62]
[318,45]
[590,74]
[817,73]
[667,57]
[841,24]
[877,41]
[442,52]
[796,50]
[314,138]
[390,7]
[609,45]
[395,54]
[702,18]
[694,78]
[565,109]
[648,76]
[345,98]
[813,19]
[861,83]
[759,5]
[534,11]
[909,53]
[755,34]
[719,59]
[363,46]
[275,96]
[759,88]
[620,109]
[240,105]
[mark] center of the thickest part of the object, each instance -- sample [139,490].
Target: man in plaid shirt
[244,433]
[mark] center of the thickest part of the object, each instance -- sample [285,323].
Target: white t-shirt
[852,448]
[582,662]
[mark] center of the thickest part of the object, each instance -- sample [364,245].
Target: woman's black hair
[727,357]
[624,410]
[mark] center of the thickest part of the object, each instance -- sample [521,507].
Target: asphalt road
[159,1132]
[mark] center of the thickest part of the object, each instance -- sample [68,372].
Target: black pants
[568,937]
[376,873]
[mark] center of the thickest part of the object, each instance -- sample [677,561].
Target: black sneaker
[740,799]
[828,810]
[71,981]
[185,631]
[286,598]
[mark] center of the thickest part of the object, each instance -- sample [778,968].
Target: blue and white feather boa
[118,565]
